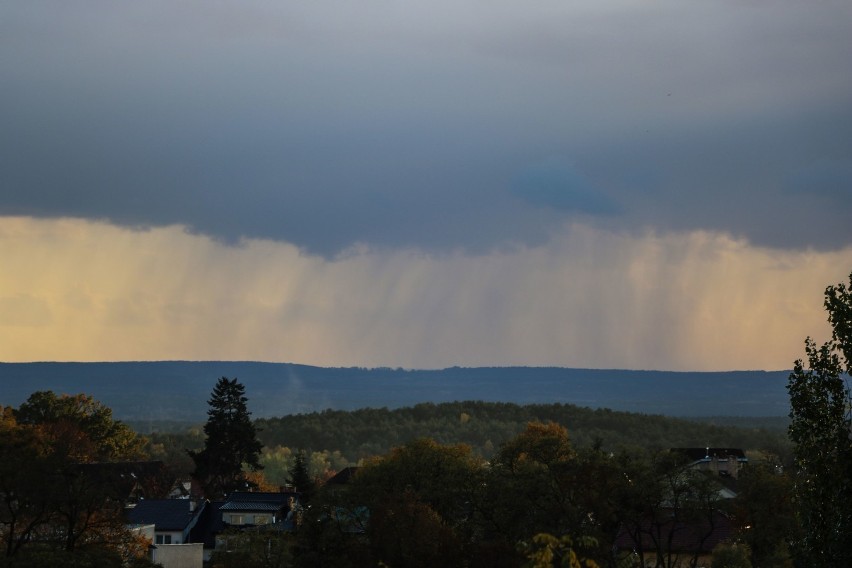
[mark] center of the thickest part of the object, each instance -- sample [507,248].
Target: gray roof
[259,501]
[244,506]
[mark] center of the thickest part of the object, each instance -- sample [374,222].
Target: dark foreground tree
[80,428]
[820,432]
[764,516]
[60,502]
[413,507]
[231,442]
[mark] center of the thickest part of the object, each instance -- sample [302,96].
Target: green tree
[231,442]
[820,432]
[300,479]
[412,507]
[537,469]
[763,514]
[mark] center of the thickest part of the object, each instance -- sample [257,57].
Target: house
[342,477]
[673,536]
[181,489]
[726,462]
[687,524]
[260,508]
[208,526]
[244,510]
[173,519]
[722,464]
[187,555]
[170,522]
[338,484]
[351,519]
[170,555]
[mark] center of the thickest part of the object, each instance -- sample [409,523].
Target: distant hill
[178,390]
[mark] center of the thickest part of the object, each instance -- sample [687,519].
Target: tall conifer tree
[300,478]
[231,441]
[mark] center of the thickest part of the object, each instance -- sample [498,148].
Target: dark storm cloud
[830,179]
[327,126]
[558,186]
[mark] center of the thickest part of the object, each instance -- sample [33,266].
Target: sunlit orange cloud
[73,290]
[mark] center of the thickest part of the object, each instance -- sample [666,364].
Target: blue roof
[164,514]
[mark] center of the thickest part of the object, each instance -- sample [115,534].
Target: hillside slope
[178,390]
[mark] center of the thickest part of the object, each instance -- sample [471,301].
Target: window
[261,519]
[164,539]
[236,520]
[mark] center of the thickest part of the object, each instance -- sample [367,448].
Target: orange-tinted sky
[603,183]
[85,291]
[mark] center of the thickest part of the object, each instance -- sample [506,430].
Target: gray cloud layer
[446,125]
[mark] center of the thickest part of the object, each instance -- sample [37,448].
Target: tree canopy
[59,504]
[231,442]
[540,500]
[822,438]
[80,427]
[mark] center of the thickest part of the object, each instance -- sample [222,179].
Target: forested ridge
[486,425]
[333,439]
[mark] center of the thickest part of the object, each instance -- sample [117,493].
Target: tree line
[484,426]
[334,439]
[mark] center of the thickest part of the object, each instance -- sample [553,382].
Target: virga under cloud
[600,183]
[89,291]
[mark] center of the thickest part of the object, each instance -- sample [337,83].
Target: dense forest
[334,439]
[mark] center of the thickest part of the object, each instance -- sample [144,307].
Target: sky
[604,184]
